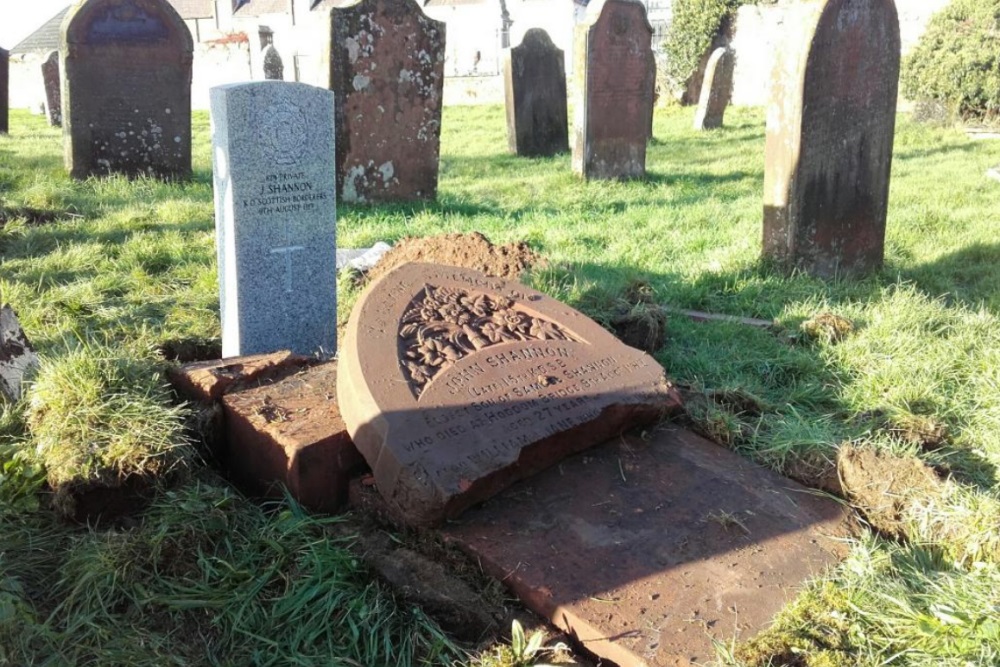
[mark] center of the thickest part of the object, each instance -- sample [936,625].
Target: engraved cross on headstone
[287,251]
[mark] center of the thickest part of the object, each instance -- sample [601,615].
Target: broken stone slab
[647,549]
[454,385]
[361,259]
[288,432]
[205,381]
[17,358]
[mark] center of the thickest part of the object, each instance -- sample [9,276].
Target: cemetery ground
[884,392]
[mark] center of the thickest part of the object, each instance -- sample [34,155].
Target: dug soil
[470,251]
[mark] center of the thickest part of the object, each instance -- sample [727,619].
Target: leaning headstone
[17,357]
[715,90]
[454,384]
[126,96]
[385,65]
[53,92]
[4,90]
[535,87]
[274,68]
[275,217]
[616,80]
[830,125]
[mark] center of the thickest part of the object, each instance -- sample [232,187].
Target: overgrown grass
[128,265]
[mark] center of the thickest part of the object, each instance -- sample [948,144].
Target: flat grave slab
[454,384]
[648,548]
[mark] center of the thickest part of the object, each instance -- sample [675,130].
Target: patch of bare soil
[470,251]
[186,350]
[638,320]
[883,486]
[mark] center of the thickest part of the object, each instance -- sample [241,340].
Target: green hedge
[695,24]
[957,61]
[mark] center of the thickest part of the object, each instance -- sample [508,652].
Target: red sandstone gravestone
[454,384]
[535,96]
[126,89]
[830,126]
[616,80]
[386,69]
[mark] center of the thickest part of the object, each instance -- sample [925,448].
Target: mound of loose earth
[470,251]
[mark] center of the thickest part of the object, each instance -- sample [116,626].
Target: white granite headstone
[275,217]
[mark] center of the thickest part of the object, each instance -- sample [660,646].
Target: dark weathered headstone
[53,89]
[830,126]
[535,83]
[385,65]
[274,68]
[275,217]
[17,357]
[616,79]
[4,90]
[126,96]
[716,90]
[454,384]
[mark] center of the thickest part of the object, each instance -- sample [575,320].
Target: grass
[105,272]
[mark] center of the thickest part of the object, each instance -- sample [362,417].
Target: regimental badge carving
[282,129]
[443,325]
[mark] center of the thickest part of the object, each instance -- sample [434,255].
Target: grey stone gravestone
[126,96]
[830,126]
[17,357]
[716,90]
[384,61]
[275,217]
[4,90]
[53,90]
[616,81]
[535,90]
[274,67]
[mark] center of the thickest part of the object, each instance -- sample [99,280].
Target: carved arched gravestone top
[454,384]
[830,132]
[385,65]
[616,80]
[535,96]
[126,89]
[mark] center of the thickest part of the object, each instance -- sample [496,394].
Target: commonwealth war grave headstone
[4,90]
[535,90]
[716,90]
[53,90]
[126,89]
[830,126]
[275,213]
[616,80]
[385,65]
[453,385]
[274,68]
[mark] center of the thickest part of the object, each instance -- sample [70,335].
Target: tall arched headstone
[716,90]
[126,97]
[53,89]
[535,83]
[385,66]
[830,126]
[274,68]
[616,80]
[4,90]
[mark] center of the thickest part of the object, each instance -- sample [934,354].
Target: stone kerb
[126,89]
[615,72]
[453,385]
[384,60]
[535,96]
[275,203]
[830,130]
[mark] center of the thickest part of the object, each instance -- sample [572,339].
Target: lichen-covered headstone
[385,65]
[535,87]
[830,125]
[275,217]
[274,68]
[53,90]
[4,90]
[126,97]
[17,357]
[616,80]
[716,90]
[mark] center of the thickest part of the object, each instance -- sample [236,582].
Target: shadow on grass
[970,277]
